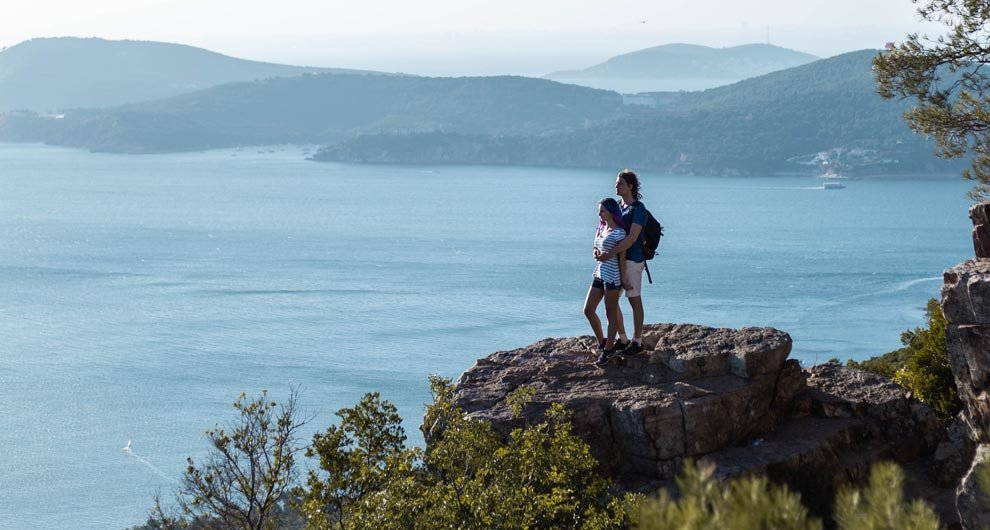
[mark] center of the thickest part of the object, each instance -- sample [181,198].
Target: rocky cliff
[966,304]
[729,396]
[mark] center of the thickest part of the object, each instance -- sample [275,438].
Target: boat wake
[814,311]
[130,452]
[896,288]
[907,284]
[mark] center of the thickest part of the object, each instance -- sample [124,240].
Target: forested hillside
[320,109]
[787,121]
[781,122]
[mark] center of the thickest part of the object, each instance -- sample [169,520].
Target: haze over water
[142,294]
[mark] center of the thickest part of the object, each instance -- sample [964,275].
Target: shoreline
[308,150]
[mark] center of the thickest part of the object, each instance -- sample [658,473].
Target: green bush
[927,373]
[751,503]
[922,365]
[886,365]
[748,503]
[541,477]
[881,506]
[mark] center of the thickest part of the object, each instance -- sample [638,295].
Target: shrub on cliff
[748,503]
[357,459]
[881,505]
[922,365]
[886,365]
[751,503]
[244,482]
[541,476]
[927,373]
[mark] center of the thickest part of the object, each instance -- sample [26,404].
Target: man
[634,216]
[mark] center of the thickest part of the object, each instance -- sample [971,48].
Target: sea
[141,294]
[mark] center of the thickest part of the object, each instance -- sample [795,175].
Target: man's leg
[635,272]
[637,309]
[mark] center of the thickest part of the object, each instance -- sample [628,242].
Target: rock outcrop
[729,396]
[966,305]
[696,390]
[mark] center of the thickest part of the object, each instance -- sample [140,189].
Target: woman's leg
[613,316]
[590,306]
[621,327]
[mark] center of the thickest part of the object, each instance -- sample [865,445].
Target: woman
[607,279]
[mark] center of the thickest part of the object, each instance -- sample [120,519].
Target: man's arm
[622,271]
[623,245]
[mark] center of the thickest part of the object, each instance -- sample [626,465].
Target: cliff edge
[966,305]
[727,396]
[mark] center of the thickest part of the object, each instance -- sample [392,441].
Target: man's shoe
[632,350]
[604,357]
[619,345]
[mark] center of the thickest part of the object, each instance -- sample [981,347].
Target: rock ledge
[728,396]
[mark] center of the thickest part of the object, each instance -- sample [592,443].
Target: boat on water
[832,185]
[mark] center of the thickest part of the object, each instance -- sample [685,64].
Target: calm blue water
[142,294]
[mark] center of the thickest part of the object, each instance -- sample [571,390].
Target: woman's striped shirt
[608,271]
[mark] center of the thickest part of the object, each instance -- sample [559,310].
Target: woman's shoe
[604,356]
[632,350]
[619,345]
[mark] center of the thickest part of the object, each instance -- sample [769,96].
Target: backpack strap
[642,239]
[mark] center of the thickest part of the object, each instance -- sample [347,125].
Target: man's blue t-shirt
[634,213]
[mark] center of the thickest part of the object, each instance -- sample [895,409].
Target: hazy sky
[449,37]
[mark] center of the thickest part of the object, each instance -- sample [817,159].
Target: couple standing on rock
[619,253]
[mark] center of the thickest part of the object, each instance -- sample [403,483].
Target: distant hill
[59,73]
[684,67]
[787,121]
[322,108]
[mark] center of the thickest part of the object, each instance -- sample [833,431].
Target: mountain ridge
[321,108]
[689,61]
[789,121]
[34,74]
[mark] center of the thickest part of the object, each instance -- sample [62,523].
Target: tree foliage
[927,373]
[540,476]
[244,481]
[947,77]
[748,503]
[357,459]
[751,503]
[886,365]
[881,505]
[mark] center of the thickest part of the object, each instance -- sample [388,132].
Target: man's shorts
[634,275]
[597,283]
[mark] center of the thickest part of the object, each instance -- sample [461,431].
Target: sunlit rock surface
[729,396]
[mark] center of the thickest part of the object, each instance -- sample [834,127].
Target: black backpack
[649,237]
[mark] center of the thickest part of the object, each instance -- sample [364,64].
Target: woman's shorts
[597,283]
